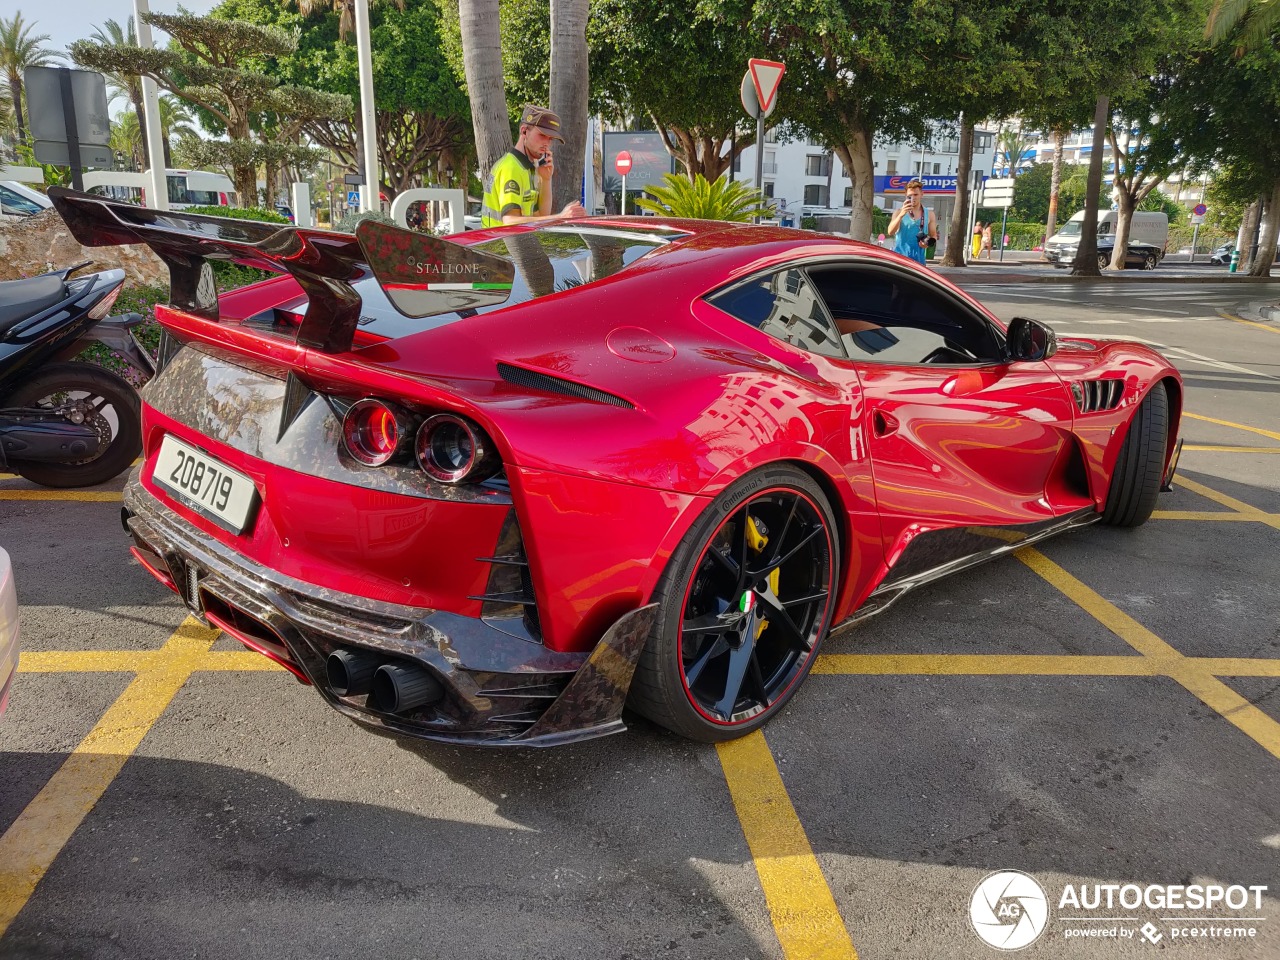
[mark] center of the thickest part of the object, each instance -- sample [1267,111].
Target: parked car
[285,211]
[471,220]
[490,489]
[9,631]
[19,201]
[1142,256]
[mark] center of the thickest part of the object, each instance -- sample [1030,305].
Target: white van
[1148,228]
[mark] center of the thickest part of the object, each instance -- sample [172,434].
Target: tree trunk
[1124,221]
[569,96]
[1267,244]
[855,154]
[1086,263]
[1244,236]
[1055,185]
[140,112]
[15,90]
[482,60]
[958,235]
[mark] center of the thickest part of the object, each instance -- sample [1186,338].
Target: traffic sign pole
[624,194]
[622,163]
[759,159]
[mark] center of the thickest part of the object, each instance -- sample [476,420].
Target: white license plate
[207,486]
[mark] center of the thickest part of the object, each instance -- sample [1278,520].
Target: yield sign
[766,75]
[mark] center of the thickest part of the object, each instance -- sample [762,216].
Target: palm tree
[121,84]
[486,88]
[18,51]
[126,138]
[345,9]
[175,121]
[1258,21]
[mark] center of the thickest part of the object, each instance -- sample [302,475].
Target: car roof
[22,190]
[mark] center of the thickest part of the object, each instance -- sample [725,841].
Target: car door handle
[883,424]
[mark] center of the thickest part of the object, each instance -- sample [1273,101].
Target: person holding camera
[912,226]
[518,188]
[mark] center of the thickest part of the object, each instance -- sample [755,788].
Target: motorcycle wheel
[115,410]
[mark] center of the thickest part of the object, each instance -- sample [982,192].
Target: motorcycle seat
[20,299]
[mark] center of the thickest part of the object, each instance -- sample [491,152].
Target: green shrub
[808,223]
[141,300]
[240,213]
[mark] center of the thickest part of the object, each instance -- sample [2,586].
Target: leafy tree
[482,65]
[676,67]
[1033,190]
[421,112]
[126,138]
[207,65]
[18,51]
[569,88]
[1228,107]
[700,199]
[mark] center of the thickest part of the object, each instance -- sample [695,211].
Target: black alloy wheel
[1149,261]
[96,397]
[746,601]
[1103,261]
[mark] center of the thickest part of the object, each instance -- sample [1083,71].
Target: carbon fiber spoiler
[413,268]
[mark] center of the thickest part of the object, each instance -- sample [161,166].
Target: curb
[1061,276]
[1261,311]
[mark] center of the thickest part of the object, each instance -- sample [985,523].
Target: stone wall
[35,245]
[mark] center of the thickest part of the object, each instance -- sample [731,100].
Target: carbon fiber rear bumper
[499,690]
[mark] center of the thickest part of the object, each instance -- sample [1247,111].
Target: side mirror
[1029,340]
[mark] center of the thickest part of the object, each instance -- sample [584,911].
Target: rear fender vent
[545,382]
[1092,396]
[509,593]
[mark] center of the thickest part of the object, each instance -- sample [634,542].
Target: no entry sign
[622,163]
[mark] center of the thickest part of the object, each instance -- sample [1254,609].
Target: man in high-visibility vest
[518,189]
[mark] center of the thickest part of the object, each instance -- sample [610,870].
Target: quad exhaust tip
[398,688]
[392,687]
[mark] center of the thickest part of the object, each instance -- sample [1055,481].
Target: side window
[886,316]
[786,306]
[16,204]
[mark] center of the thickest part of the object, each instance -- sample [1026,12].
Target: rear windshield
[547,261]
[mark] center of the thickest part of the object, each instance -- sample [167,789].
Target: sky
[66,21]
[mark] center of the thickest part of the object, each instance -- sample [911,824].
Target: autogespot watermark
[1010,910]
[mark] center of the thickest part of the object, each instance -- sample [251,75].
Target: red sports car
[491,489]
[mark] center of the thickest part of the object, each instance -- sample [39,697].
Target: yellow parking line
[123,661]
[804,912]
[1242,508]
[36,838]
[1045,665]
[1206,447]
[1211,691]
[1226,515]
[88,496]
[986,664]
[84,661]
[1250,323]
[1239,426]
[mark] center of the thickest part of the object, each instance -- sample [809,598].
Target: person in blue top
[913,227]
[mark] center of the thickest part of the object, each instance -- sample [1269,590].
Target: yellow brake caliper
[756,542]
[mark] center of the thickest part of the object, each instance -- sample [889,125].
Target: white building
[806,180]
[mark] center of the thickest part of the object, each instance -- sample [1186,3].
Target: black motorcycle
[65,423]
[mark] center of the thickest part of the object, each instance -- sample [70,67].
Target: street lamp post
[368,121]
[151,104]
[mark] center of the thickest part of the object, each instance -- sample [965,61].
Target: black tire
[1135,482]
[117,410]
[739,617]
[1103,261]
[1149,261]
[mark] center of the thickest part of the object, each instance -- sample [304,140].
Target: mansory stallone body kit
[490,489]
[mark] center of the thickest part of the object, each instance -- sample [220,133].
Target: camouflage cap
[543,119]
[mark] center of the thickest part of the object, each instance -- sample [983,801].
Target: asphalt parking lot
[1100,710]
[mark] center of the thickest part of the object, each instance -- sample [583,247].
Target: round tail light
[452,450]
[372,432]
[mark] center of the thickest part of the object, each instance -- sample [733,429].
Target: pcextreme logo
[1010,910]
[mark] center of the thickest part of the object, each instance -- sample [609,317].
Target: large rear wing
[420,274]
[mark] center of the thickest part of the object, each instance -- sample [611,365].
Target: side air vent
[542,381]
[509,595]
[1094,395]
